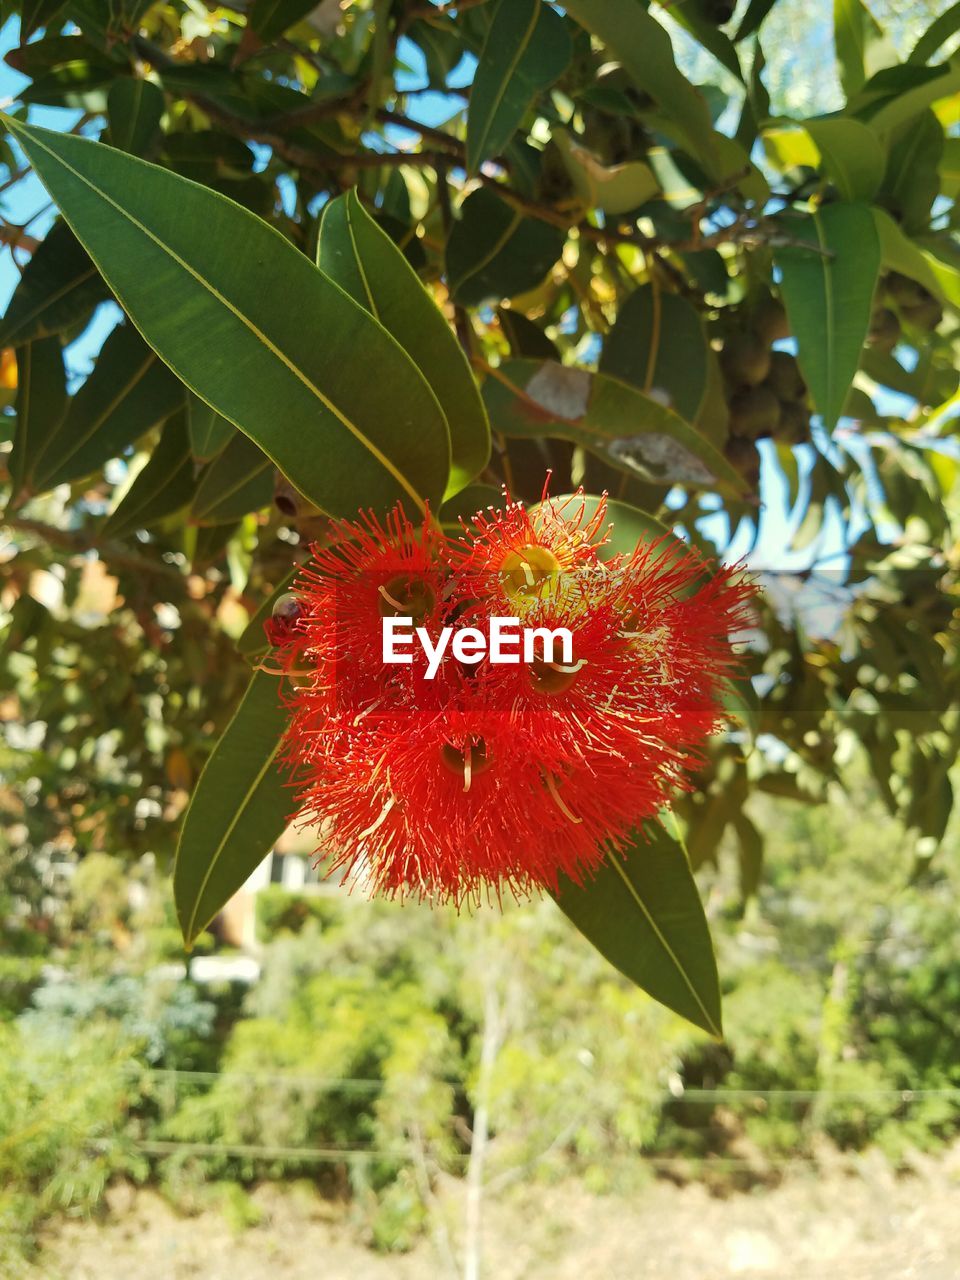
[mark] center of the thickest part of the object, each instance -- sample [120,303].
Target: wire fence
[733,1098]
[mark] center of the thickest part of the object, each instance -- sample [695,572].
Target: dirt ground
[828,1225]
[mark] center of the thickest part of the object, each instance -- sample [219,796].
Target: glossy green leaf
[41,403]
[135,108]
[936,35]
[239,479]
[495,252]
[226,310]
[852,155]
[611,188]
[364,261]
[164,485]
[642,911]
[629,430]
[658,342]
[861,45]
[238,810]
[58,288]
[527,49]
[828,291]
[642,46]
[128,392]
[209,433]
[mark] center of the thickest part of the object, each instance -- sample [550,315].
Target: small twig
[460,318]
[14,178]
[429,11]
[443,139]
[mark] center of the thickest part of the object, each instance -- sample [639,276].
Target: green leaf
[946,271]
[226,310]
[912,181]
[936,35]
[742,703]
[658,341]
[35,14]
[695,17]
[757,10]
[79,85]
[364,261]
[526,51]
[750,857]
[898,94]
[828,291]
[42,56]
[643,48]
[613,189]
[209,433]
[41,404]
[495,252]
[756,102]
[135,108]
[128,392]
[852,155]
[627,429]
[789,147]
[238,810]
[525,337]
[58,288]
[271,18]
[642,911]
[899,253]
[164,485]
[950,168]
[465,504]
[861,45]
[238,480]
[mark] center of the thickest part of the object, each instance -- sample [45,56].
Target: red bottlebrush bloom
[489,776]
[515,556]
[371,571]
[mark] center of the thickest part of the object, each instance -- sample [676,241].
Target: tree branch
[80,542]
[428,11]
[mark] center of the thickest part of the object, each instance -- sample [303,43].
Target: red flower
[491,777]
[513,557]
